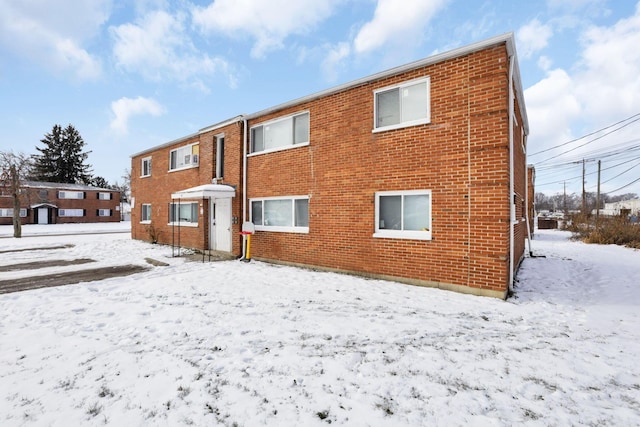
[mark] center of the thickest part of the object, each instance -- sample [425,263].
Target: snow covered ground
[230,343]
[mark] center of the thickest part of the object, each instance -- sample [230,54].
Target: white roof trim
[206,191]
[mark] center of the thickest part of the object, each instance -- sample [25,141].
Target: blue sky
[131,75]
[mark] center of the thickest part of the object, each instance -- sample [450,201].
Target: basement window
[183,213]
[403,214]
[283,214]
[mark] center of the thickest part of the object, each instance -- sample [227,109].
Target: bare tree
[13,170]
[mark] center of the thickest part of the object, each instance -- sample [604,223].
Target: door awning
[43,205]
[207,191]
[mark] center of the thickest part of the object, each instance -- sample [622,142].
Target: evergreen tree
[62,158]
[100,182]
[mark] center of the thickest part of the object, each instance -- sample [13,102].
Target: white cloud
[551,108]
[337,54]
[609,82]
[125,108]
[158,47]
[394,22]
[533,37]
[45,32]
[269,23]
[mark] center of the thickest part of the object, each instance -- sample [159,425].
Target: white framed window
[283,214]
[220,156]
[145,213]
[70,194]
[104,212]
[403,214]
[184,157]
[146,167]
[183,213]
[280,134]
[8,213]
[406,104]
[70,212]
[105,196]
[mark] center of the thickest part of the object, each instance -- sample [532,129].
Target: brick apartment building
[56,203]
[416,174]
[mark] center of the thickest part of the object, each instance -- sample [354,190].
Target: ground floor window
[145,215]
[8,213]
[403,214]
[183,213]
[104,212]
[70,212]
[285,214]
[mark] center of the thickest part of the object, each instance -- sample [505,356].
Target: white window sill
[183,168]
[407,235]
[401,125]
[277,229]
[145,222]
[145,176]
[184,224]
[282,148]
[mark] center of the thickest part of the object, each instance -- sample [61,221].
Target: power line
[584,136]
[590,141]
[624,186]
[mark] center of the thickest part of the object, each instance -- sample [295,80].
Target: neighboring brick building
[416,174]
[56,203]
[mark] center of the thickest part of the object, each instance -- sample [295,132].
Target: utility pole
[598,197]
[584,195]
[564,185]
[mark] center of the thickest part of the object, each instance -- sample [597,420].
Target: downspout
[244,183]
[526,198]
[511,176]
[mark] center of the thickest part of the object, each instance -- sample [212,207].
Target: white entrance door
[221,225]
[43,216]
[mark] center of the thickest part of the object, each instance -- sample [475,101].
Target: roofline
[65,186]
[221,124]
[165,144]
[507,38]
[184,138]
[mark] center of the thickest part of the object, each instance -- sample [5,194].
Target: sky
[132,75]
[232,343]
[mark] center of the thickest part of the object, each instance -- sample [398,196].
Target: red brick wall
[462,156]
[157,188]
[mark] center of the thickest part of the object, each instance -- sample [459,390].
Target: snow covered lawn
[230,343]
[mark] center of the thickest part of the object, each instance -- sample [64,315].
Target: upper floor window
[70,194]
[220,156]
[104,196]
[184,157]
[289,214]
[146,166]
[281,133]
[403,214]
[407,104]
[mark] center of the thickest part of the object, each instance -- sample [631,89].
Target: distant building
[624,207]
[56,203]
